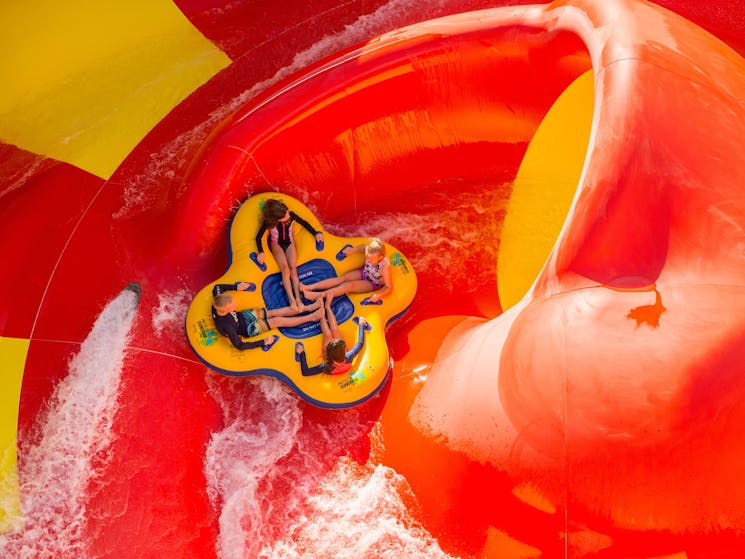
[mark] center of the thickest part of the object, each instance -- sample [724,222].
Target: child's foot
[316,315]
[297,293]
[313,306]
[312,295]
[294,306]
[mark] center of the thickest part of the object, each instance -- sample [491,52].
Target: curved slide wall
[466,120]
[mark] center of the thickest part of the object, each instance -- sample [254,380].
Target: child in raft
[375,275]
[249,323]
[336,359]
[278,220]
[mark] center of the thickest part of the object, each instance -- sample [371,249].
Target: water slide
[566,179]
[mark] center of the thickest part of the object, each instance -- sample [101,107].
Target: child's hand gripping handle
[299,348]
[341,255]
[366,326]
[270,342]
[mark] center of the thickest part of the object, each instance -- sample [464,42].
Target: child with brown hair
[336,359]
[278,220]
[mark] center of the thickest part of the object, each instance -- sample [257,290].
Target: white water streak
[58,465]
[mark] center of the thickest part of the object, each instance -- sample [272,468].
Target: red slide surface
[597,416]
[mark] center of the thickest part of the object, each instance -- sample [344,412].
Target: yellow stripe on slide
[12,362]
[544,189]
[83,81]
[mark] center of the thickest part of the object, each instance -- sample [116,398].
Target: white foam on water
[266,460]
[358,512]
[168,317]
[444,238]
[261,419]
[276,500]
[280,492]
[73,434]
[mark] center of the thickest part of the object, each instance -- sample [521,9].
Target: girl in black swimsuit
[278,221]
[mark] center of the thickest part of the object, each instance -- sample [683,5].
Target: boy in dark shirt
[249,323]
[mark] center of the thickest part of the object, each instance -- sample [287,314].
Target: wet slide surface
[435,139]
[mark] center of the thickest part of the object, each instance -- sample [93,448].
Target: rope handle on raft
[367,325]
[340,255]
[267,346]
[255,257]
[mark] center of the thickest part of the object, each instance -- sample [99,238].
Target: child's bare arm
[354,250]
[387,284]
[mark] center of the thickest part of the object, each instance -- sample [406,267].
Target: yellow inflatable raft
[316,261]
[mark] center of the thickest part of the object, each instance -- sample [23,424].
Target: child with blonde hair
[375,275]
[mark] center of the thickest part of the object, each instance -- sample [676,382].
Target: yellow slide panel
[544,189]
[83,81]
[12,362]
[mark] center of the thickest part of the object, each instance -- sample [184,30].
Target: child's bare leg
[314,290]
[310,291]
[294,279]
[311,295]
[325,330]
[356,286]
[287,284]
[289,311]
[284,268]
[290,321]
[310,307]
[330,317]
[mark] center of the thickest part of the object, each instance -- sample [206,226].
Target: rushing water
[71,440]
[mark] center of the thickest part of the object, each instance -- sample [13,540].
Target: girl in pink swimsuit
[278,220]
